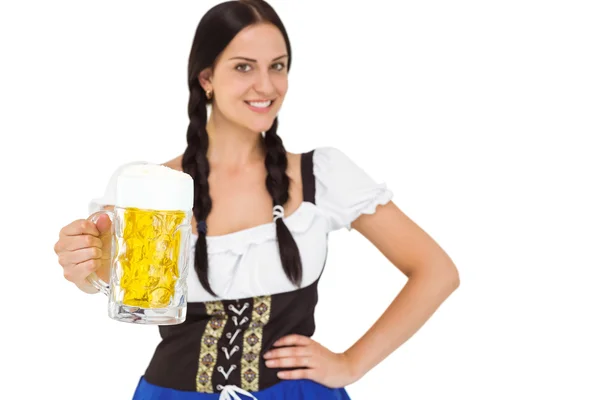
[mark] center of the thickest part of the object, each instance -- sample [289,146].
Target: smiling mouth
[260,107]
[260,104]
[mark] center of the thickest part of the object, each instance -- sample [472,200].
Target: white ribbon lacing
[230,392]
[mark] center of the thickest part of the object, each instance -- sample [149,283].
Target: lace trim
[383,197]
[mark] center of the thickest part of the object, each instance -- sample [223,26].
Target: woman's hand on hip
[315,361]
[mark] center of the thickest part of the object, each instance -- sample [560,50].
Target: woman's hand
[318,363]
[84,247]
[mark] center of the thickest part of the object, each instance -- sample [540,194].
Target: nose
[264,84]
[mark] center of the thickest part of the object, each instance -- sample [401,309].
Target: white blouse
[246,263]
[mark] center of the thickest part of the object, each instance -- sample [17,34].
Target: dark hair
[214,32]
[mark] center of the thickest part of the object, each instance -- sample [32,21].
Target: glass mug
[151,238]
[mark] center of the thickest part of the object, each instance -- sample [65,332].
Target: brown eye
[241,65]
[282,66]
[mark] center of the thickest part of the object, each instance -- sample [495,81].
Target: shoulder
[330,154]
[174,163]
[344,190]
[321,156]
[293,158]
[333,163]
[332,167]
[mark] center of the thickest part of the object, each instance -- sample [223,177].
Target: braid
[195,163]
[278,184]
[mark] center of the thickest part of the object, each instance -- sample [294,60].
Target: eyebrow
[252,60]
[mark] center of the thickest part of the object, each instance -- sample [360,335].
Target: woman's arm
[432,277]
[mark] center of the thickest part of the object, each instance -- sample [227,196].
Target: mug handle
[93,278]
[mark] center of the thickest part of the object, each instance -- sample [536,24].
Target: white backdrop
[480,116]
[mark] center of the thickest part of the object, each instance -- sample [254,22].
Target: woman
[248,325]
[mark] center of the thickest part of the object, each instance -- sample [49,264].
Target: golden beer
[148,254]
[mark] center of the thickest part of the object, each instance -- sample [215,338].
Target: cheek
[281,85]
[230,86]
[234,89]
[231,97]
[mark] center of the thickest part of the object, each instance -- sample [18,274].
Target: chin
[261,127]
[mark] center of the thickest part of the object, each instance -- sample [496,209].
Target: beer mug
[151,239]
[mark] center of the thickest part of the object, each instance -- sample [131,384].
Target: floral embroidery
[208,346]
[252,339]
[210,340]
[261,312]
[249,376]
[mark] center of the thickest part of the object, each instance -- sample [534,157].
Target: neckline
[253,229]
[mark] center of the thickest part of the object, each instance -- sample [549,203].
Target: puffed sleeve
[109,197]
[343,190]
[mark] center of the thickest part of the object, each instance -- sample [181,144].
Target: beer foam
[154,187]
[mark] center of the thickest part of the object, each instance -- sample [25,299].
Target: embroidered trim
[208,346]
[253,336]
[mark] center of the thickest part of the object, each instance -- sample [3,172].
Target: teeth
[263,104]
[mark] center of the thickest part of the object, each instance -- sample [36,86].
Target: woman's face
[253,67]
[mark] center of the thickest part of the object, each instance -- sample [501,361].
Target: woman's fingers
[80,249]
[80,227]
[291,362]
[293,351]
[293,340]
[69,258]
[299,374]
[78,273]
[72,243]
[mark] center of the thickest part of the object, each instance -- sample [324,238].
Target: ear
[205,78]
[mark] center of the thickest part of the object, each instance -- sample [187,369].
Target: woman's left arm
[432,277]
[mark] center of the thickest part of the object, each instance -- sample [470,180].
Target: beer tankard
[150,255]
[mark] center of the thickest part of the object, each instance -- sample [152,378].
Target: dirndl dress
[217,353]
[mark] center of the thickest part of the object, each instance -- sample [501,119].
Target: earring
[209,94]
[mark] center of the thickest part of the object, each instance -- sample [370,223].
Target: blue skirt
[284,390]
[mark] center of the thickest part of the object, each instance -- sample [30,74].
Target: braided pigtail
[195,163]
[278,184]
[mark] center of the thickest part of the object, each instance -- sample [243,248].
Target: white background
[482,117]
